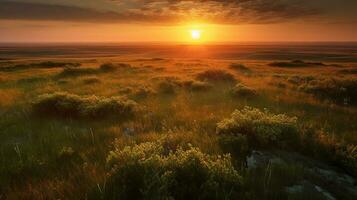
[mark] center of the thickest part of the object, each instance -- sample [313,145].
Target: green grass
[58,127]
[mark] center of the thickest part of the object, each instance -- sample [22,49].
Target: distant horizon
[175,43]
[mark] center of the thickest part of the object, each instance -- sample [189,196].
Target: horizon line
[171,43]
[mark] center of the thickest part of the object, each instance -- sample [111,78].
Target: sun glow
[196,34]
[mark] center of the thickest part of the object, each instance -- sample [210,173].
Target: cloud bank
[166,11]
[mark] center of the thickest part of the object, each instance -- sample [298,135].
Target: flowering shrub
[149,171]
[62,104]
[263,126]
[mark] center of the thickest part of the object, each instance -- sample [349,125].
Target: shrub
[342,91]
[348,71]
[72,72]
[50,64]
[346,156]
[31,80]
[91,80]
[237,145]
[296,63]
[214,75]
[278,84]
[240,68]
[63,104]
[297,80]
[104,68]
[197,85]
[41,65]
[109,67]
[149,171]
[324,147]
[143,92]
[168,86]
[241,90]
[261,126]
[67,156]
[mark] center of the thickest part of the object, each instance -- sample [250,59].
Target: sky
[219,21]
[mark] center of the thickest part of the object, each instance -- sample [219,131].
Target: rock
[322,180]
[258,158]
[306,187]
[325,193]
[295,189]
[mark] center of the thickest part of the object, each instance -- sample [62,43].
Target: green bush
[61,104]
[149,171]
[216,75]
[241,90]
[261,126]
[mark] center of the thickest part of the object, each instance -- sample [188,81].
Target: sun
[196,34]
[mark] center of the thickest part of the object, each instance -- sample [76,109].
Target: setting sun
[196,34]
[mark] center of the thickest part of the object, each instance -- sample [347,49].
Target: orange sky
[171,21]
[85,32]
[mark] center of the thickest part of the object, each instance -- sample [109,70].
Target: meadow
[178,122]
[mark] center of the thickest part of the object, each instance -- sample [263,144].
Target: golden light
[196,34]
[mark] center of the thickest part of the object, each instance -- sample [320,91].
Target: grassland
[119,128]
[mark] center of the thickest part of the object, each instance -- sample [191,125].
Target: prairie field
[262,121]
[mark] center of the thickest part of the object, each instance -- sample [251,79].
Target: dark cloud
[35,11]
[164,11]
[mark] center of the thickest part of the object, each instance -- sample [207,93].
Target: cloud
[161,11]
[39,11]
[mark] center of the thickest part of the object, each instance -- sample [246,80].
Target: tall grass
[60,145]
